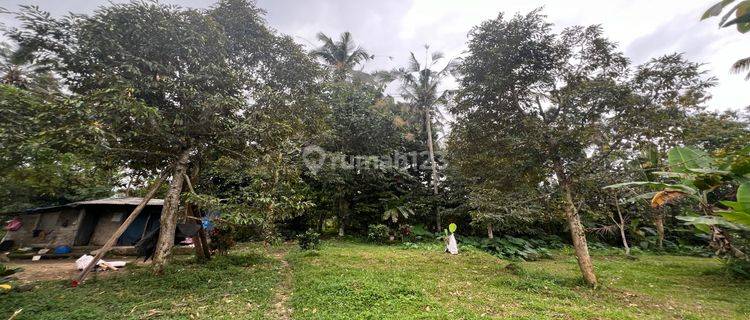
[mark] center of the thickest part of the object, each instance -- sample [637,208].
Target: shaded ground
[346,280]
[237,286]
[59,269]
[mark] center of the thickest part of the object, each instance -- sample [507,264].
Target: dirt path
[280,308]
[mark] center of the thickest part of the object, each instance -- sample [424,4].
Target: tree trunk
[202,251]
[577,234]
[489,231]
[659,223]
[621,226]
[433,165]
[343,208]
[270,223]
[321,221]
[168,219]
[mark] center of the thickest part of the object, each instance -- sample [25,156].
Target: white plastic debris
[85,259]
[452,246]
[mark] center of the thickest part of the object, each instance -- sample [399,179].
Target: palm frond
[346,38]
[327,41]
[413,63]
[742,65]
[437,55]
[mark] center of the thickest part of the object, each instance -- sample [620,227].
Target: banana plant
[697,175]
[396,207]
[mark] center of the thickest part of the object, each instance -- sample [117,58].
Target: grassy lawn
[359,281]
[347,280]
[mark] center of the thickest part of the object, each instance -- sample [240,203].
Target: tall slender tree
[420,87]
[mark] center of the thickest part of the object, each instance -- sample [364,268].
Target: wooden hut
[84,223]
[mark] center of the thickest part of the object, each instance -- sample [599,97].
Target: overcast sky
[391,28]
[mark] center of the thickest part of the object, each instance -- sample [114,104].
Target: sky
[390,29]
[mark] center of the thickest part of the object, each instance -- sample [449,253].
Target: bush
[310,240]
[509,247]
[378,232]
[738,268]
[419,232]
[405,232]
[222,239]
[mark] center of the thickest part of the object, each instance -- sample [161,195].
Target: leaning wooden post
[112,240]
[201,245]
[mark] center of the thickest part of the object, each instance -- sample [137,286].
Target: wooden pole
[112,240]
[201,245]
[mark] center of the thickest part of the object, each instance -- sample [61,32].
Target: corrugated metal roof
[127,201]
[131,201]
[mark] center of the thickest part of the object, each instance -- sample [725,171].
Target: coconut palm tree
[342,55]
[420,86]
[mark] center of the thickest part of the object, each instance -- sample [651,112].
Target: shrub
[421,233]
[405,232]
[738,268]
[310,240]
[509,247]
[6,271]
[222,239]
[378,232]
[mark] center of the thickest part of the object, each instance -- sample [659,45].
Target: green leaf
[646,196]
[679,175]
[711,221]
[703,228]
[655,185]
[737,217]
[708,171]
[739,20]
[716,9]
[736,206]
[743,196]
[683,158]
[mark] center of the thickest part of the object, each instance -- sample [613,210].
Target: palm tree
[17,71]
[420,87]
[342,55]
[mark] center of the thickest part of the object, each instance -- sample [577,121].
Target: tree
[357,129]
[165,106]
[741,13]
[420,86]
[342,55]
[46,158]
[556,100]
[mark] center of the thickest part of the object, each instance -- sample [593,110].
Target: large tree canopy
[165,84]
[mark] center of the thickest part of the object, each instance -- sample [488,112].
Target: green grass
[236,286]
[360,281]
[348,280]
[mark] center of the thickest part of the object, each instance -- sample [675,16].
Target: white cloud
[392,28]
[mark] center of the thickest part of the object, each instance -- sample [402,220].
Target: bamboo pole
[112,240]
